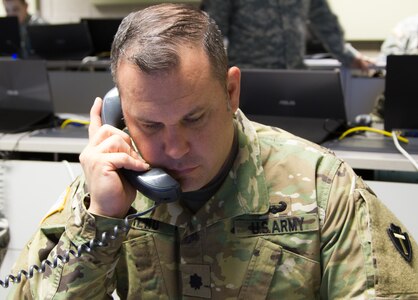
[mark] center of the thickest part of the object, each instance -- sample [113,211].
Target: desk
[376,161]
[45,143]
[355,151]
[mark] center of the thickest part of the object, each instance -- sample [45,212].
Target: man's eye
[152,126]
[193,120]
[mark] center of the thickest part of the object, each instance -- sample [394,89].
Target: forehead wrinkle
[193,111]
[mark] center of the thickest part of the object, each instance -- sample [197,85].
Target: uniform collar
[244,191]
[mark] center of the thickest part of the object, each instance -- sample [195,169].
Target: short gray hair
[150,39]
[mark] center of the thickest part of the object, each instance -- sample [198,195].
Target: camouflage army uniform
[271,33]
[403,39]
[291,221]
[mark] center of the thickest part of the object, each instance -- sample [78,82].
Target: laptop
[25,98]
[9,37]
[401,94]
[102,32]
[70,41]
[307,103]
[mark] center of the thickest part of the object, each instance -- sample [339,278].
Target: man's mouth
[182,172]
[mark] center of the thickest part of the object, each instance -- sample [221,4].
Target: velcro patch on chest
[276,225]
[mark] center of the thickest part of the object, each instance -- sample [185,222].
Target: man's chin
[190,185]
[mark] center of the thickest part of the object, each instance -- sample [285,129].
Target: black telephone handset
[155,183]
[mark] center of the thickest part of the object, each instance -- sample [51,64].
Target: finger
[95,118]
[117,143]
[106,131]
[124,160]
[113,153]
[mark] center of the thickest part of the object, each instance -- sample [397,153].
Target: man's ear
[234,87]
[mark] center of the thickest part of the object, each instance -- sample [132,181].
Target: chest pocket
[146,268]
[284,263]
[275,273]
[261,270]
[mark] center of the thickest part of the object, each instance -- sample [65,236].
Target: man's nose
[176,143]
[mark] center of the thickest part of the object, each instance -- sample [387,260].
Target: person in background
[272,34]
[19,9]
[403,39]
[263,214]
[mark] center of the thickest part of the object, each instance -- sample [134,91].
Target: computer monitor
[102,32]
[292,93]
[70,41]
[401,93]
[10,44]
[25,96]
[308,103]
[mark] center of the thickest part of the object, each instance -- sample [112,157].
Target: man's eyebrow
[194,111]
[144,120]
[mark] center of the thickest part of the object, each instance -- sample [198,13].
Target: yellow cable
[365,128]
[69,121]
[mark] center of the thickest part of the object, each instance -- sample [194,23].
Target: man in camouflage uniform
[272,33]
[263,214]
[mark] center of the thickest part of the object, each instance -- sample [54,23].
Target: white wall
[371,19]
[61,11]
[361,19]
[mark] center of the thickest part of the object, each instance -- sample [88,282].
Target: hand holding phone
[155,183]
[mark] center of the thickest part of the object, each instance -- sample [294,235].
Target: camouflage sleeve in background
[403,39]
[272,34]
[326,26]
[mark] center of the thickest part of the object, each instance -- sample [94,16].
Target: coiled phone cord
[88,247]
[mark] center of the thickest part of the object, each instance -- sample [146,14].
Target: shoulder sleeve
[359,254]
[402,39]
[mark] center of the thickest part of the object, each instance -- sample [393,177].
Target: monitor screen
[9,37]
[25,97]
[307,103]
[102,32]
[70,41]
[292,93]
[401,93]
